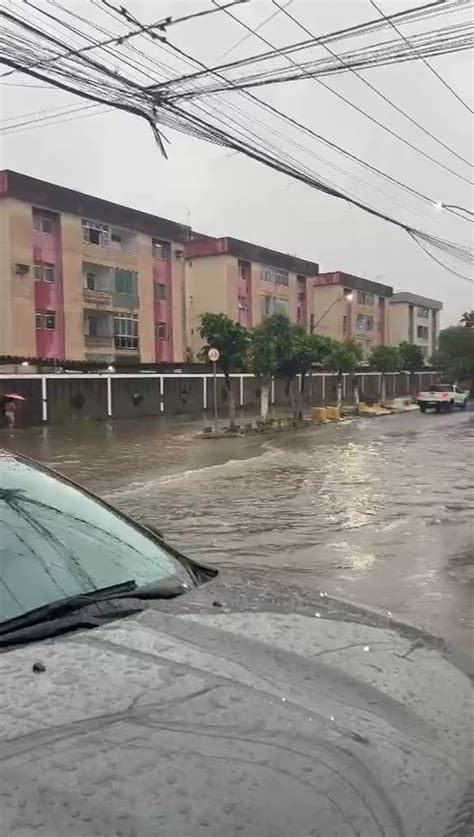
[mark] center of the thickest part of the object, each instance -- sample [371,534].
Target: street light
[348,295]
[441,205]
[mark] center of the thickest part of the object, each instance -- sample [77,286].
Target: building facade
[348,307]
[85,279]
[415,319]
[244,281]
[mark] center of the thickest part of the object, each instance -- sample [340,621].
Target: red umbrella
[13,396]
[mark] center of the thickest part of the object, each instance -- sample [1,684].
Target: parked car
[442,397]
[143,694]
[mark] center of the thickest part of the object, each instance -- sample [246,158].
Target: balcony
[97,285]
[99,331]
[99,342]
[96,297]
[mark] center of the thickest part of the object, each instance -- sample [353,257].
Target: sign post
[214,355]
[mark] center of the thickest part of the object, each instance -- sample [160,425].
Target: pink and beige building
[348,307]
[85,279]
[245,281]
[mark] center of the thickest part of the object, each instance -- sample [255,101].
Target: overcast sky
[114,155]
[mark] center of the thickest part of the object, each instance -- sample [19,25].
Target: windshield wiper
[166,589]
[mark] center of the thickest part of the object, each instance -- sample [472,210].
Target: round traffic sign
[213,355]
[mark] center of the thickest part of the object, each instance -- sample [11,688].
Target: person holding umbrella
[10,403]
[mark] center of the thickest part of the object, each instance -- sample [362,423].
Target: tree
[290,351]
[385,359]
[263,361]
[467,319]
[455,355]
[232,341]
[412,359]
[344,358]
[280,348]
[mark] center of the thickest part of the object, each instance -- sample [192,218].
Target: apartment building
[348,307]
[244,281]
[415,319]
[85,279]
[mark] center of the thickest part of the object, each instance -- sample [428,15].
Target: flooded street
[377,511]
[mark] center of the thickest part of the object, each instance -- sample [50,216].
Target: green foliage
[455,355]
[344,357]
[262,357]
[467,319]
[321,347]
[411,355]
[385,358]
[230,338]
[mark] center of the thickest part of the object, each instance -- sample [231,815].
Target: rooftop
[47,195]
[205,245]
[415,299]
[357,283]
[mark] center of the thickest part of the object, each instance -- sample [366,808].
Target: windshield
[57,541]
[441,388]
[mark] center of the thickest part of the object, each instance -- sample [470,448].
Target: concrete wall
[91,397]
[29,412]
[6,283]
[331,325]
[71,399]
[17,311]
[183,395]
[398,323]
[209,285]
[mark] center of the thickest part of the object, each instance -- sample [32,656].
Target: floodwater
[378,511]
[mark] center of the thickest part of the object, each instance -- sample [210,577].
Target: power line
[373,87]
[352,105]
[427,10]
[138,101]
[425,62]
[246,37]
[438,261]
[305,128]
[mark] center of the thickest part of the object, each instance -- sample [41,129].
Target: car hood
[261,724]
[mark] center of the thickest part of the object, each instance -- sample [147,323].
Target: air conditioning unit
[22,269]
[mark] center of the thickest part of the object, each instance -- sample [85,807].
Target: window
[48,273]
[422,332]
[45,320]
[365,299]
[126,282]
[116,238]
[95,233]
[126,331]
[275,276]
[160,290]
[243,303]
[43,272]
[42,222]
[159,249]
[273,305]
[423,312]
[365,322]
[161,331]
[90,281]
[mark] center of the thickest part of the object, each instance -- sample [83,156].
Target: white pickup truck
[443,397]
